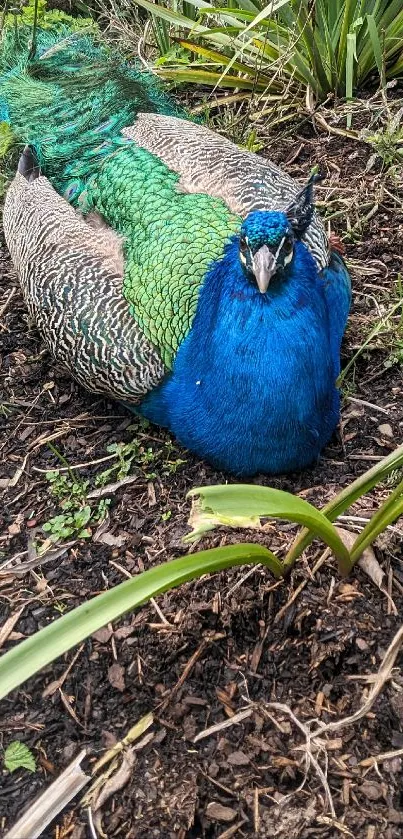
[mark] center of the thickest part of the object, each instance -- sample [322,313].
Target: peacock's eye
[288,246]
[242,244]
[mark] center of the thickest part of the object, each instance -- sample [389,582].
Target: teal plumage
[192,280]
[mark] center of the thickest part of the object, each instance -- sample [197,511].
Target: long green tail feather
[72,100]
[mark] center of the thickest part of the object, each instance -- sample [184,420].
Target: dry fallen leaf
[386,430]
[238,759]
[113,541]
[117,780]
[368,561]
[102,635]
[9,625]
[116,676]
[372,790]
[218,813]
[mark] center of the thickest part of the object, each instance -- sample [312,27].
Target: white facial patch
[242,257]
[279,248]
[288,257]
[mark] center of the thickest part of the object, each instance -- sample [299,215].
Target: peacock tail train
[164,266]
[72,100]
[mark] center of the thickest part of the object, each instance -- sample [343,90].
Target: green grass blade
[374,331]
[376,44]
[160,29]
[178,20]
[321,14]
[351,57]
[334,14]
[389,25]
[346,498]
[347,20]
[267,12]
[312,41]
[243,505]
[210,78]
[220,59]
[26,658]
[388,512]
[190,10]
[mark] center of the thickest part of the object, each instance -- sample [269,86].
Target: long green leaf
[351,57]
[347,19]
[26,658]
[267,12]
[312,40]
[178,19]
[388,512]
[346,498]
[243,505]
[219,58]
[376,44]
[209,78]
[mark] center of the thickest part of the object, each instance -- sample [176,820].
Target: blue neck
[253,384]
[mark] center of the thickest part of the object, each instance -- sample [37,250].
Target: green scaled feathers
[168,246]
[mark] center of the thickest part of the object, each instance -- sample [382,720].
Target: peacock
[166,267]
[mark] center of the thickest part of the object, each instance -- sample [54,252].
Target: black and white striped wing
[72,285]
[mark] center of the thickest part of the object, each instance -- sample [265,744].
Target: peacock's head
[267,238]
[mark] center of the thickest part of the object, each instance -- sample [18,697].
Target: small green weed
[78,513]
[71,494]
[18,756]
[387,143]
[68,491]
[66,525]
[144,458]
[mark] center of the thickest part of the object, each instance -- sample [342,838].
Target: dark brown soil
[224,643]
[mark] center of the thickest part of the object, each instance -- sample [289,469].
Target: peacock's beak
[264,267]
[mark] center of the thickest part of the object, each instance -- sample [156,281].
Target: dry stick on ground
[213,729]
[8,483]
[20,570]
[309,757]
[209,639]
[383,675]
[51,802]
[5,305]
[313,738]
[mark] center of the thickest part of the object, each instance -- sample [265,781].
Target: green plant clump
[47,18]
[230,505]
[282,47]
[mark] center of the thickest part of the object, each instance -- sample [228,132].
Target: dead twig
[36,561]
[9,625]
[374,759]
[241,715]
[190,664]
[383,675]
[310,759]
[5,305]
[52,687]
[110,489]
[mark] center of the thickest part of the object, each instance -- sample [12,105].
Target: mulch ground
[235,642]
